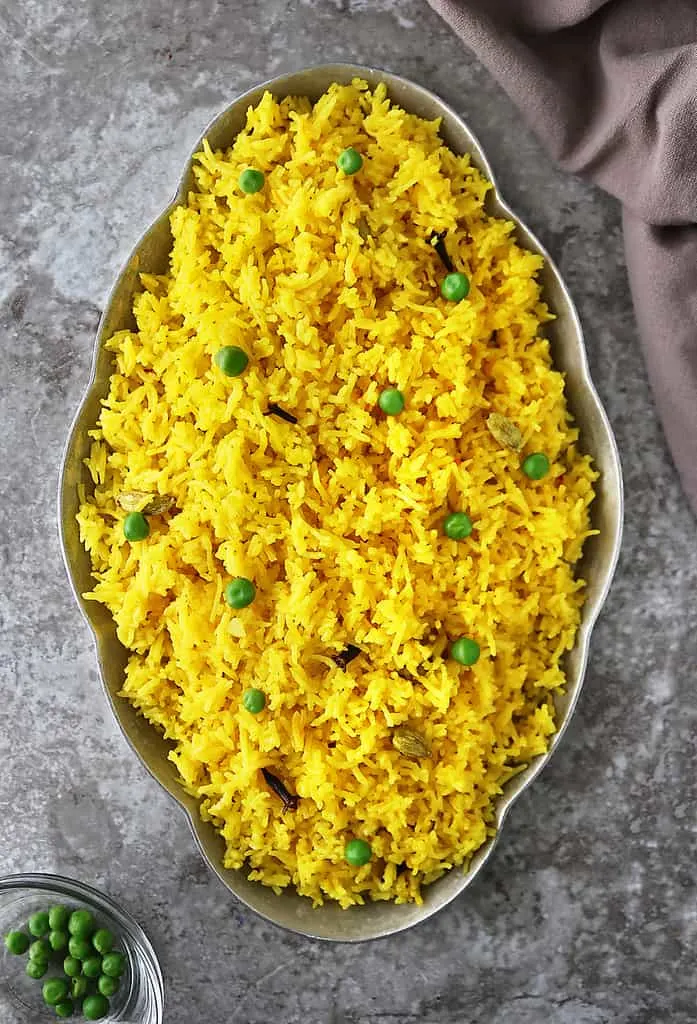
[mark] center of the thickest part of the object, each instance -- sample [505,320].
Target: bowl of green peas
[69,951]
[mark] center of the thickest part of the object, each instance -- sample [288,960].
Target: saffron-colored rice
[331,286]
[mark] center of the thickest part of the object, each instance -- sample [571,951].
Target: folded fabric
[610,87]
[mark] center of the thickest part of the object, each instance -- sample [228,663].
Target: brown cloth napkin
[610,87]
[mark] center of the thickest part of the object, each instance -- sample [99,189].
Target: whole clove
[343,658]
[276,410]
[437,240]
[409,676]
[290,801]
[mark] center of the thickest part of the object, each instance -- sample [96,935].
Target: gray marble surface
[586,912]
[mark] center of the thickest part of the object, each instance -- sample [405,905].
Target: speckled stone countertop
[586,912]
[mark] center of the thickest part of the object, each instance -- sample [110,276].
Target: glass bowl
[140,997]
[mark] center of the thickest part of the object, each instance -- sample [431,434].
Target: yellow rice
[330,285]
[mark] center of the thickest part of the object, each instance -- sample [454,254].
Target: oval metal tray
[600,556]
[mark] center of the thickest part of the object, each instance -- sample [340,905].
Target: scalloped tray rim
[407,915]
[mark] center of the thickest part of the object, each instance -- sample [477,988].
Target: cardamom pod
[146,502]
[158,504]
[410,743]
[504,431]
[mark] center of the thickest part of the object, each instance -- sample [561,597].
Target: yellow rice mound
[331,286]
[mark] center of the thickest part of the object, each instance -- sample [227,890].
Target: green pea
[95,1007]
[349,161]
[64,1008]
[79,987]
[40,950]
[38,923]
[79,948]
[465,650]
[254,700]
[251,181]
[103,940]
[135,527]
[455,287]
[55,990]
[457,526]
[358,852]
[72,966]
[113,964]
[81,924]
[58,918]
[17,943]
[92,966]
[58,940]
[36,968]
[240,592]
[391,401]
[231,360]
[108,986]
[536,466]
